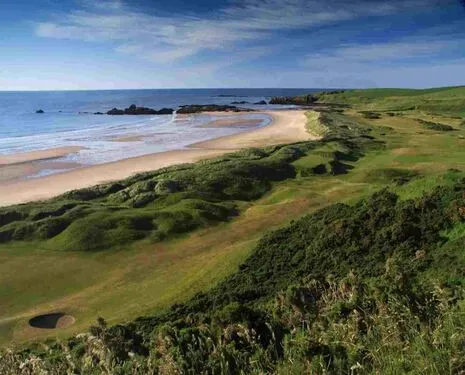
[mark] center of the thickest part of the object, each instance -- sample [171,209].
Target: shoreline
[40,155]
[287,126]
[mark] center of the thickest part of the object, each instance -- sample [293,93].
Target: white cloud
[165,39]
[359,57]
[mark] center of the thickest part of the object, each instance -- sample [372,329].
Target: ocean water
[69,120]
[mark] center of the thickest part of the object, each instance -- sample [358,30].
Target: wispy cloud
[364,56]
[171,38]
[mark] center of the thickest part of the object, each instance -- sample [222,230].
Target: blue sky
[110,44]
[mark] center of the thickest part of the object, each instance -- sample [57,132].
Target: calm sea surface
[69,120]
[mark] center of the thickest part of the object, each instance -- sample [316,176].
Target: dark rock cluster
[261,102]
[197,108]
[134,110]
[294,100]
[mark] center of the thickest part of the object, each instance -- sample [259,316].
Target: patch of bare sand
[404,151]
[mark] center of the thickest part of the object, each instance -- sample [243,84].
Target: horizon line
[234,88]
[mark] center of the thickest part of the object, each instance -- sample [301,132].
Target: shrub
[370,115]
[435,126]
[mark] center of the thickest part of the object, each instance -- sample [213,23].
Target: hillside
[447,101]
[340,256]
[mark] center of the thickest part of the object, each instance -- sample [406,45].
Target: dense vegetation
[435,126]
[350,289]
[370,286]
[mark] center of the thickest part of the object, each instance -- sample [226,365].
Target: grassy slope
[446,101]
[153,276]
[40,276]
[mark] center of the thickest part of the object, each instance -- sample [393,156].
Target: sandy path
[287,127]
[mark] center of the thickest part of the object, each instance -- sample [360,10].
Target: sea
[69,120]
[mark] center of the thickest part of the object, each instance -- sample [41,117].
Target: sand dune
[286,127]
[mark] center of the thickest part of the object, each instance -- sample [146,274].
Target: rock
[134,110]
[115,111]
[98,113]
[40,111]
[166,111]
[294,100]
[210,108]
[261,102]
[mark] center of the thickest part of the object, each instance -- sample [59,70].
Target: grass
[160,266]
[444,101]
[304,302]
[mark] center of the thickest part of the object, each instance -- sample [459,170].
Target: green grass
[304,301]
[446,101]
[169,262]
[89,274]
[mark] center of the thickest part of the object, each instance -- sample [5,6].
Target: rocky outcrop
[40,111]
[165,111]
[134,110]
[185,109]
[262,102]
[294,100]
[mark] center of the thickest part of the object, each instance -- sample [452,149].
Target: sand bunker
[52,321]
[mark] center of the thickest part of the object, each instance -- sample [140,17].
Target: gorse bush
[361,289]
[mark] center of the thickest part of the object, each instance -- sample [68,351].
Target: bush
[435,126]
[370,115]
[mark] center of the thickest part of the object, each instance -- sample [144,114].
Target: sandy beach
[286,127]
[228,122]
[24,157]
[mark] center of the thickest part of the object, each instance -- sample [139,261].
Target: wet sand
[24,157]
[232,123]
[286,127]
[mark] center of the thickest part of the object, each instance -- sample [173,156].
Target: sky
[119,44]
